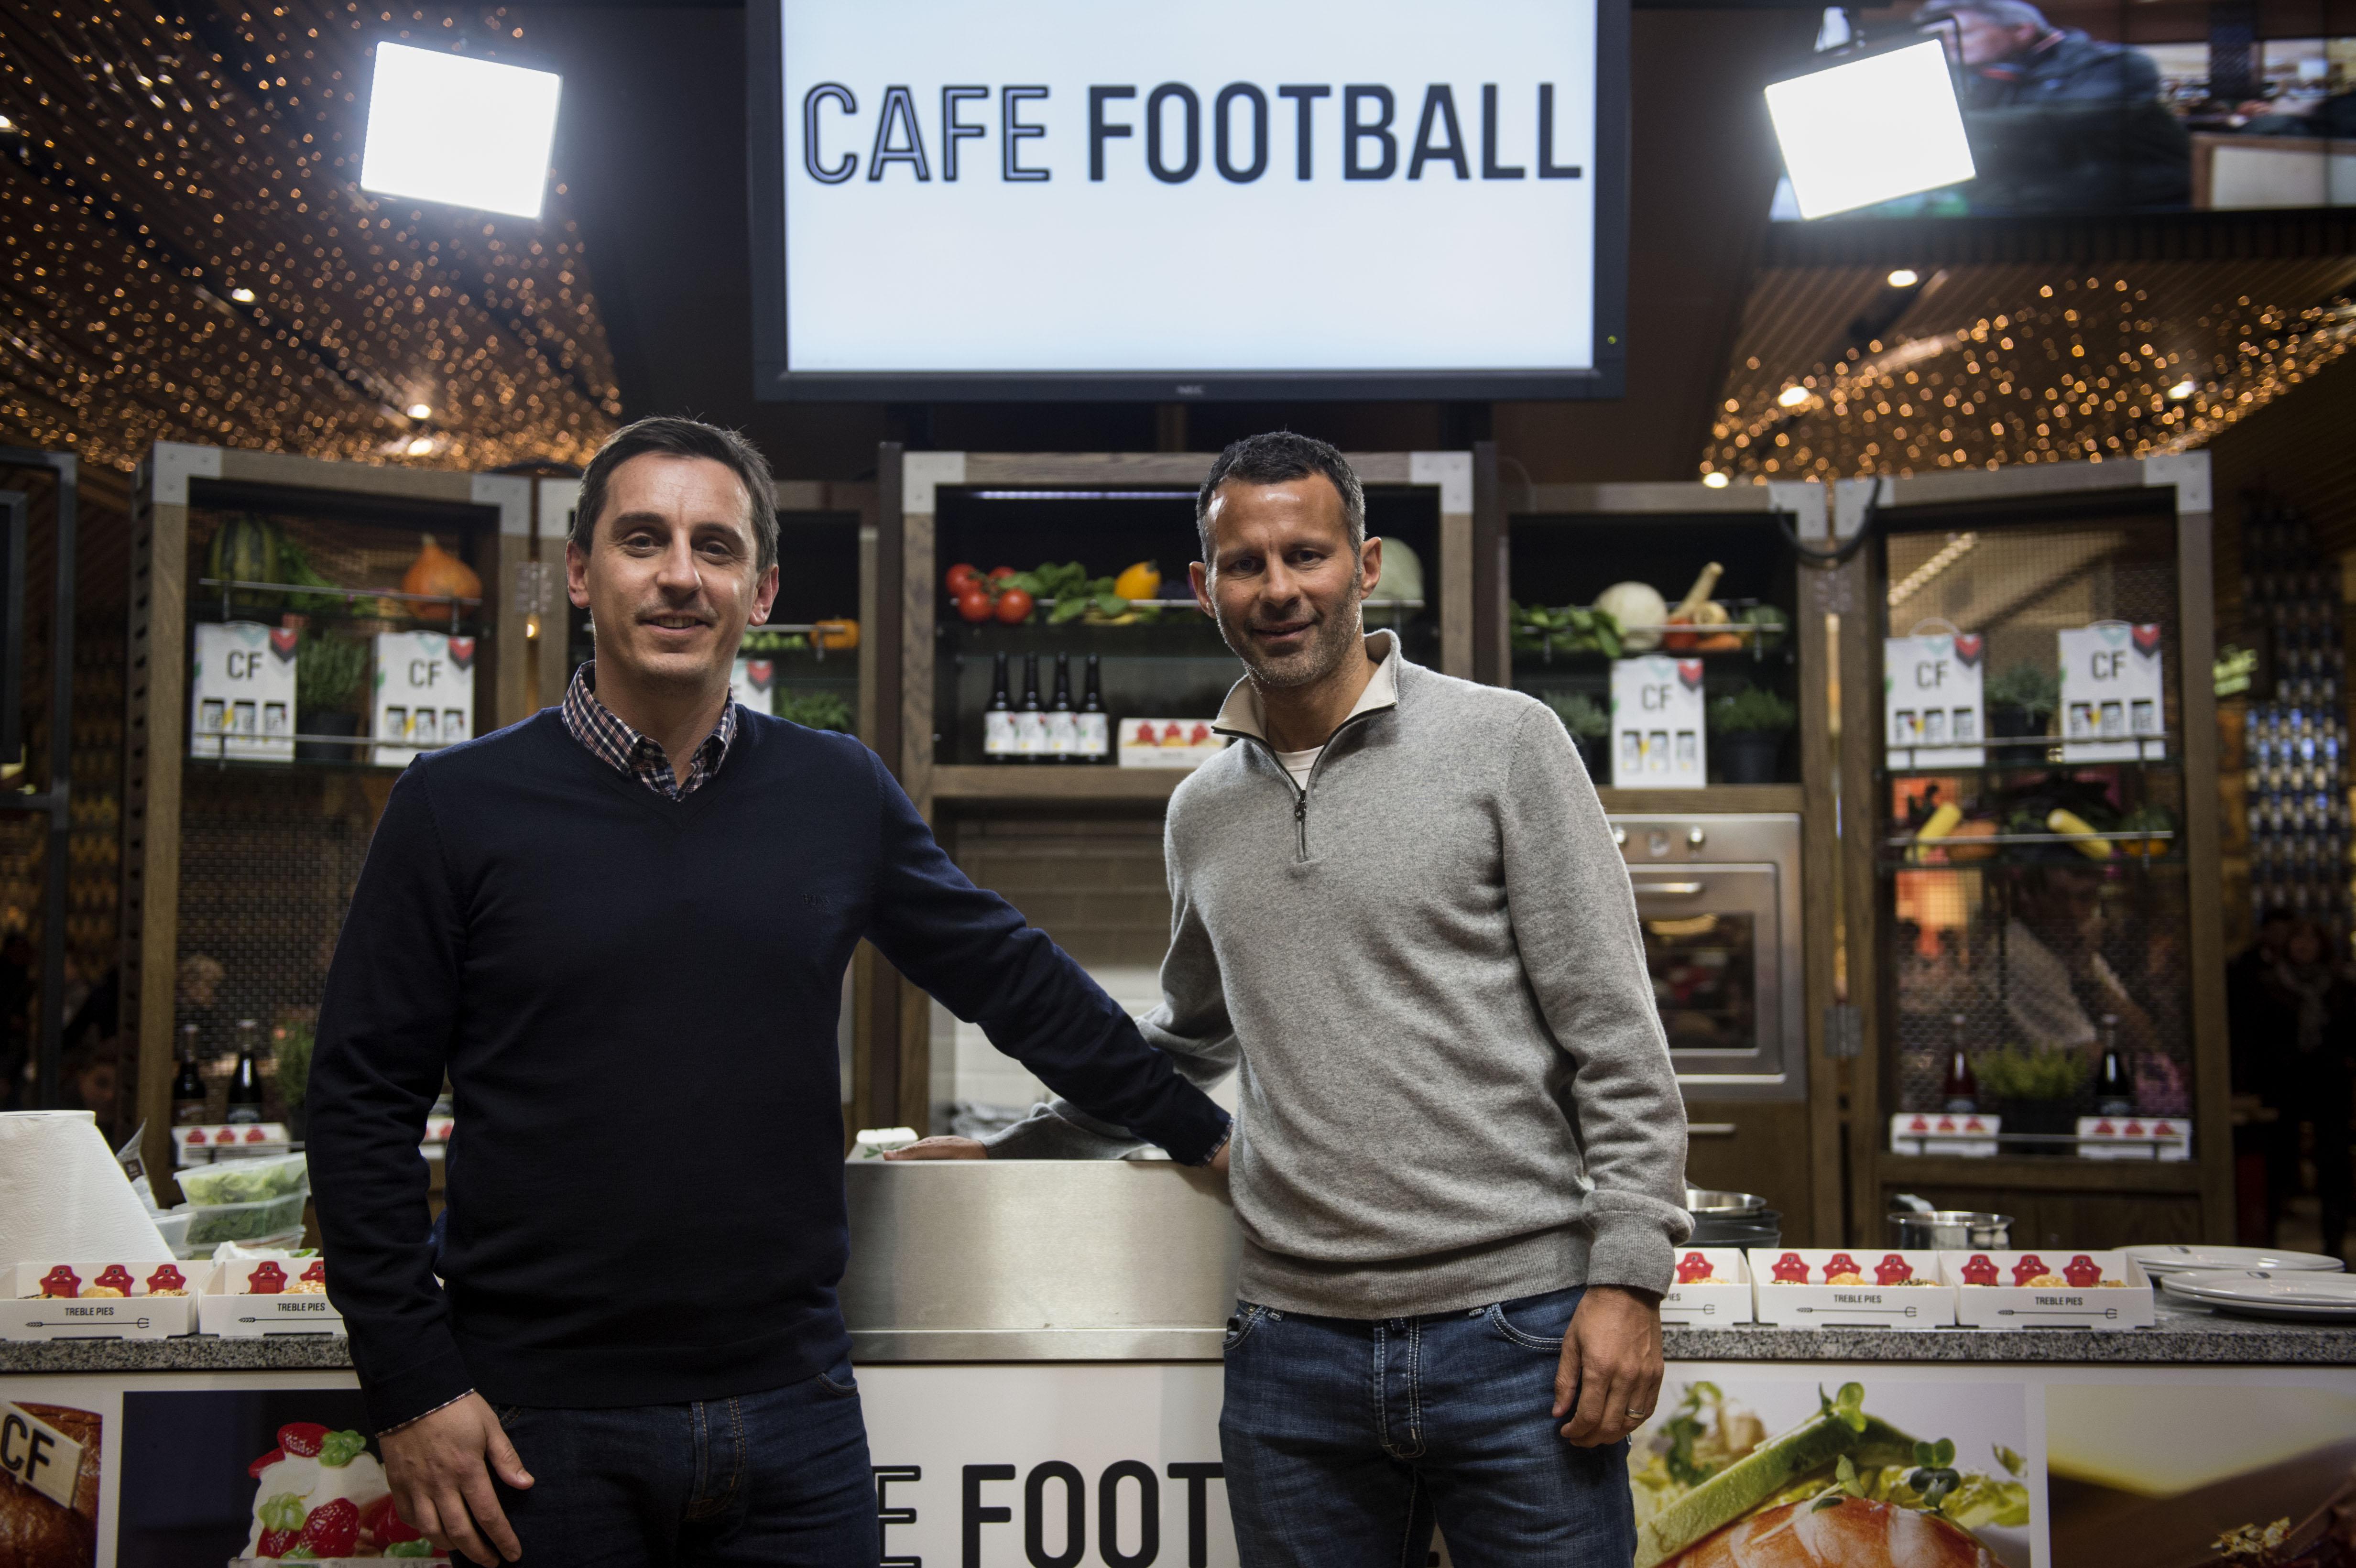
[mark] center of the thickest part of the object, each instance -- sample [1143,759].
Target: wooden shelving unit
[970,784]
[2053,545]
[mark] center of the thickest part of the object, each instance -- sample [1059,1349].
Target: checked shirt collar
[623,749]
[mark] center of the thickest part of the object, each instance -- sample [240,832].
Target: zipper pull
[1300,806]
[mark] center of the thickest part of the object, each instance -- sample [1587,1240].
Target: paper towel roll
[63,1196]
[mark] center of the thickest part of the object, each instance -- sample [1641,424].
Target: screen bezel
[774,382]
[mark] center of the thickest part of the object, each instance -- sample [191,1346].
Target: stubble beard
[1333,641]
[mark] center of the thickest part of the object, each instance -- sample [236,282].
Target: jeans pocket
[507,1417]
[1240,1326]
[1505,1328]
[840,1382]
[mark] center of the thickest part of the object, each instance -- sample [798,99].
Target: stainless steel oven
[1719,898]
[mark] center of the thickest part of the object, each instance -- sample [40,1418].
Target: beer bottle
[245,1083]
[1961,1091]
[998,720]
[188,1085]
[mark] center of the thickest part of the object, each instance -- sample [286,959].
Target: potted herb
[291,1052]
[1747,728]
[2022,701]
[329,674]
[2033,1091]
[1589,724]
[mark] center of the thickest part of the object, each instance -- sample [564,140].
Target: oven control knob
[1657,842]
[1696,837]
[1619,836]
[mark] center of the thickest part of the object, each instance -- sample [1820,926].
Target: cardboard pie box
[256,1297]
[208,1141]
[1792,1286]
[2094,1134]
[138,1314]
[2100,1290]
[1970,1134]
[1712,1288]
[1168,743]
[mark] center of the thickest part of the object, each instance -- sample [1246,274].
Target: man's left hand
[1611,1371]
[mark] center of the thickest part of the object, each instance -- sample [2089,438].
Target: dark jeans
[1343,1440]
[780,1479]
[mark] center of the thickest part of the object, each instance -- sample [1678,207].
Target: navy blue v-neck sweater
[636,1000]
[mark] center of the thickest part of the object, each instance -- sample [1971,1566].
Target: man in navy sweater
[620,928]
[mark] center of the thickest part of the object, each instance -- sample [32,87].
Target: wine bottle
[1095,724]
[998,719]
[245,1083]
[1961,1091]
[2113,1087]
[1030,720]
[189,1084]
[1063,727]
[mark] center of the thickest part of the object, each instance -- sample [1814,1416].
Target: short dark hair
[2002,13]
[1272,459]
[682,438]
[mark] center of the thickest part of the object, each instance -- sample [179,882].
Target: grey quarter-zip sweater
[1426,967]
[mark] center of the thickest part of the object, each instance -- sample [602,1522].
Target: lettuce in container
[245,1180]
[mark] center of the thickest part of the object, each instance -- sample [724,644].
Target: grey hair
[2002,13]
[1273,457]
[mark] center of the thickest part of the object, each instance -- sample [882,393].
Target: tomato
[973,604]
[1014,606]
[1000,573]
[958,576]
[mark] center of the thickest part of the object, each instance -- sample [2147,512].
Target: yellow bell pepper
[2088,845]
[1140,581]
[836,636]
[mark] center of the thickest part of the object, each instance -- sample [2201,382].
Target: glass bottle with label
[245,1083]
[1063,726]
[188,1084]
[998,719]
[1030,719]
[1960,1092]
[1095,724]
[2114,1086]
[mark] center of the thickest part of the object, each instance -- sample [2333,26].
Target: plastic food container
[209,1224]
[174,1227]
[245,1180]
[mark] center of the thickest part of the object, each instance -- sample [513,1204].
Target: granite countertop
[2184,1335]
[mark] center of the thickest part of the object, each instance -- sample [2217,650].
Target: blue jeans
[1344,1440]
[777,1478]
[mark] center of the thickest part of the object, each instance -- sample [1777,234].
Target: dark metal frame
[774,382]
[56,800]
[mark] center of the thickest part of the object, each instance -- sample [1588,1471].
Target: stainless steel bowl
[1726,1205]
[1950,1230]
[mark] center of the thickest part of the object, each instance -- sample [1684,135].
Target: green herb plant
[330,672]
[294,1057]
[1569,629]
[760,644]
[1581,714]
[2031,688]
[2013,1072]
[1751,710]
[817,710]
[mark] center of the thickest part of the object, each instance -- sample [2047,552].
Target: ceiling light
[1916,144]
[6,123]
[1715,480]
[467,131]
[2182,390]
[1792,396]
[421,447]
[1904,278]
[242,296]
[421,411]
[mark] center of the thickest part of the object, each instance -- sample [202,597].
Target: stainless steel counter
[1038,1259]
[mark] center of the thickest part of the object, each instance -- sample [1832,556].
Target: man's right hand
[440,1468]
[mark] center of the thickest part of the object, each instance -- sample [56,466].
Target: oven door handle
[1683,889]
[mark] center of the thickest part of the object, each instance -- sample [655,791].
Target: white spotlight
[2182,390]
[1904,278]
[1715,481]
[242,296]
[421,447]
[1871,130]
[421,411]
[1792,396]
[465,131]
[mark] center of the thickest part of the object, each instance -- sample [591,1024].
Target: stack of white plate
[2304,1293]
[2159,1259]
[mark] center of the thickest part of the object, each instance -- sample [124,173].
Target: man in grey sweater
[1460,1162]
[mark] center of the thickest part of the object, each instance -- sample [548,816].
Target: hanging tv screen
[1210,199]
